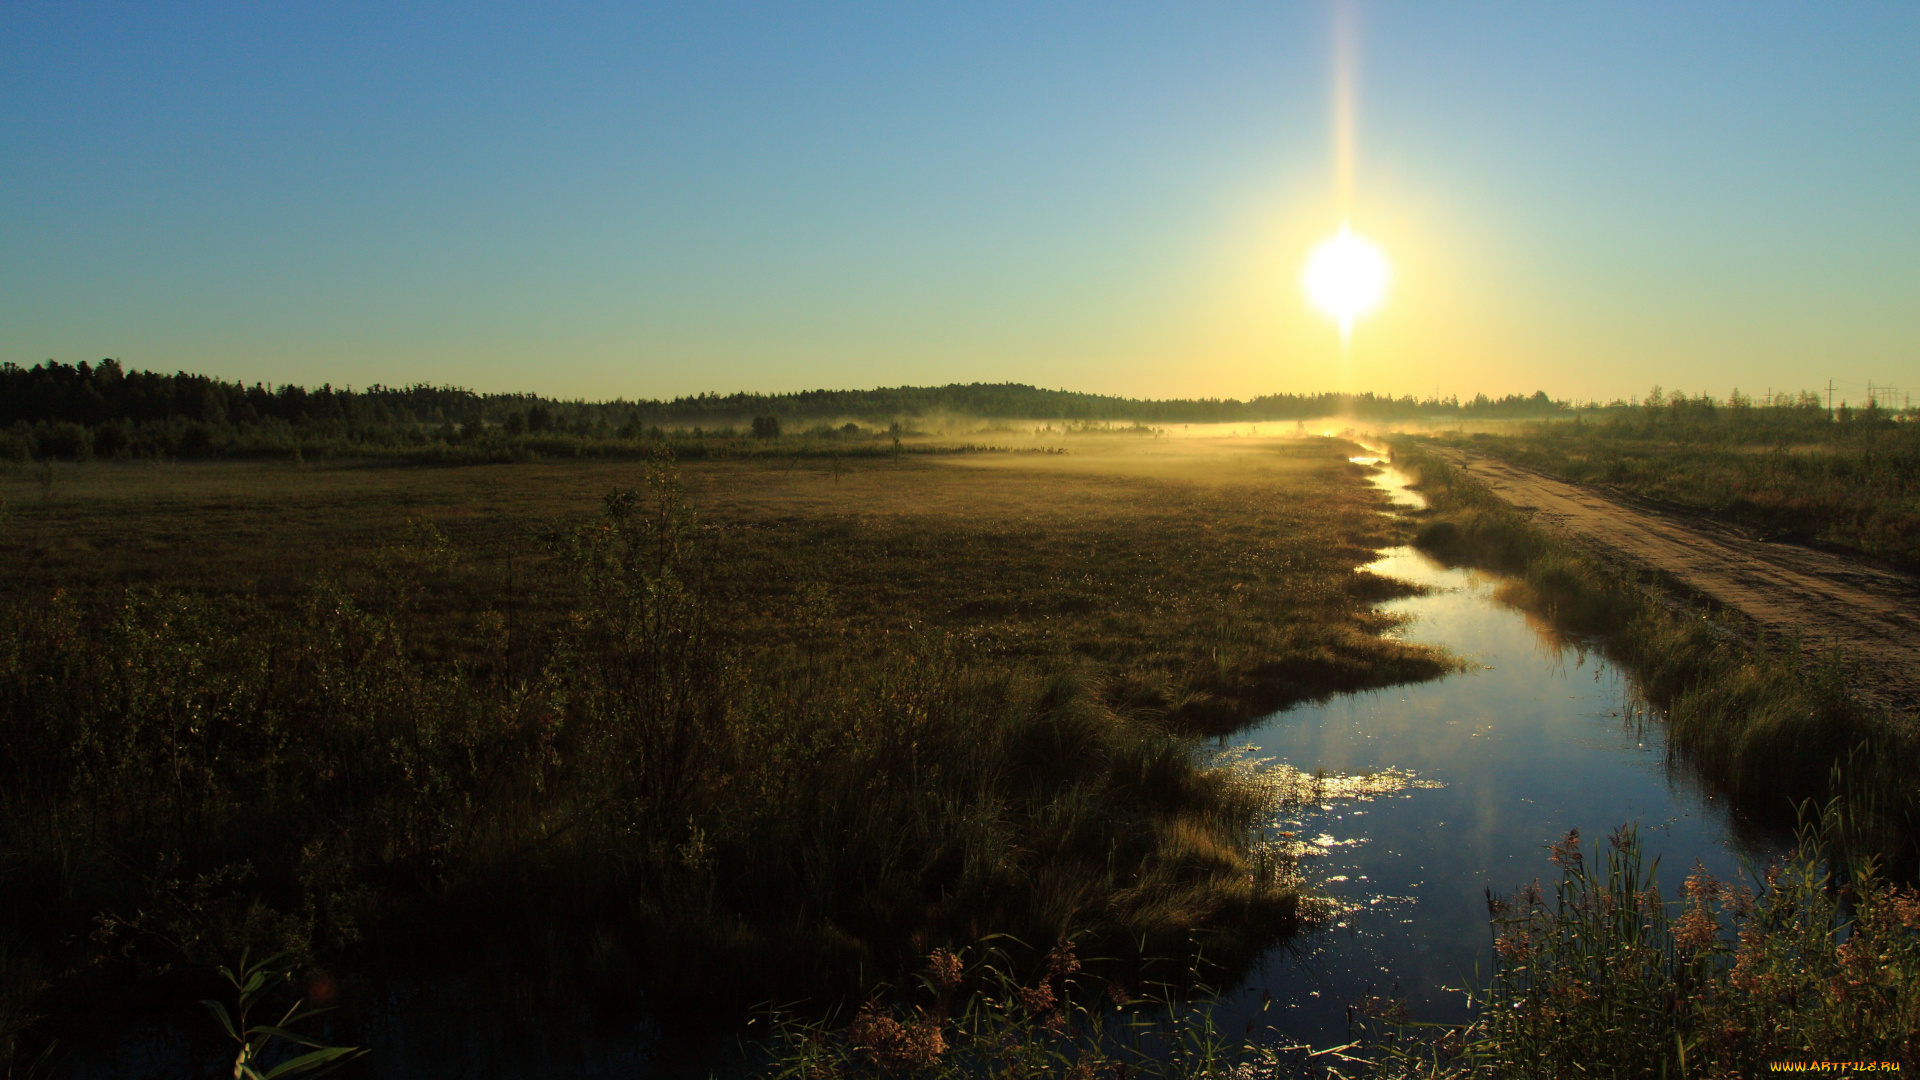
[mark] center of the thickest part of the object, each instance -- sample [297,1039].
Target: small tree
[766,427]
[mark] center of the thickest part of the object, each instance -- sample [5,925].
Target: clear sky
[653,199]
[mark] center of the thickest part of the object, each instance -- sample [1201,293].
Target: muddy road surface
[1871,612]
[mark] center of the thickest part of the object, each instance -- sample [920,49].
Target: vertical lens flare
[1346,277]
[1343,64]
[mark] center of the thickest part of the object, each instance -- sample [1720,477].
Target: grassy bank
[739,730]
[1786,469]
[1757,717]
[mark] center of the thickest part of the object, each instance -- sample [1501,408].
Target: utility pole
[1829,399]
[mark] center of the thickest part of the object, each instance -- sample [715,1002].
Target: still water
[1537,736]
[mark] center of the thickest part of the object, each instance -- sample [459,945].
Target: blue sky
[646,200]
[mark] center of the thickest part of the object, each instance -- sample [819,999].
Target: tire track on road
[1870,612]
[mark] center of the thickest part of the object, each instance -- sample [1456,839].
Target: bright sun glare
[1346,277]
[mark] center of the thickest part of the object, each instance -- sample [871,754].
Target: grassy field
[1786,471]
[709,733]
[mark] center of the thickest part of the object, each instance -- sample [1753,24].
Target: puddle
[1535,738]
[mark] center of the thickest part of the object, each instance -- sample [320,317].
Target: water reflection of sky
[1530,741]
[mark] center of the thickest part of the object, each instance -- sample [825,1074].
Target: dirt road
[1872,613]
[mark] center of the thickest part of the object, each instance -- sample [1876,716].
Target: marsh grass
[1759,718]
[1209,590]
[731,733]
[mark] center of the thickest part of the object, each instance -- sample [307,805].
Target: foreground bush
[1605,980]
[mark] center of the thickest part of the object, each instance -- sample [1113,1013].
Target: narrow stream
[1536,737]
[1487,767]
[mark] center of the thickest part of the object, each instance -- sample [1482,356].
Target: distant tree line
[94,395]
[102,410]
[1773,419]
[1017,401]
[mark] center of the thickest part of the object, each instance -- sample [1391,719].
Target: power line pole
[1829,399]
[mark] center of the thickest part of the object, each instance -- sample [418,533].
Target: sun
[1346,277]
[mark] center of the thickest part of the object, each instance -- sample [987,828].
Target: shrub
[64,440]
[16,442]
[113,439]
[1604,979]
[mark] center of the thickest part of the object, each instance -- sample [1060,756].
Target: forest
[77,412]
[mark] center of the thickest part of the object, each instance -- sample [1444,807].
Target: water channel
[1537,736]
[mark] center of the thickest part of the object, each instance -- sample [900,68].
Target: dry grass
[770,737]
[1211,579]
